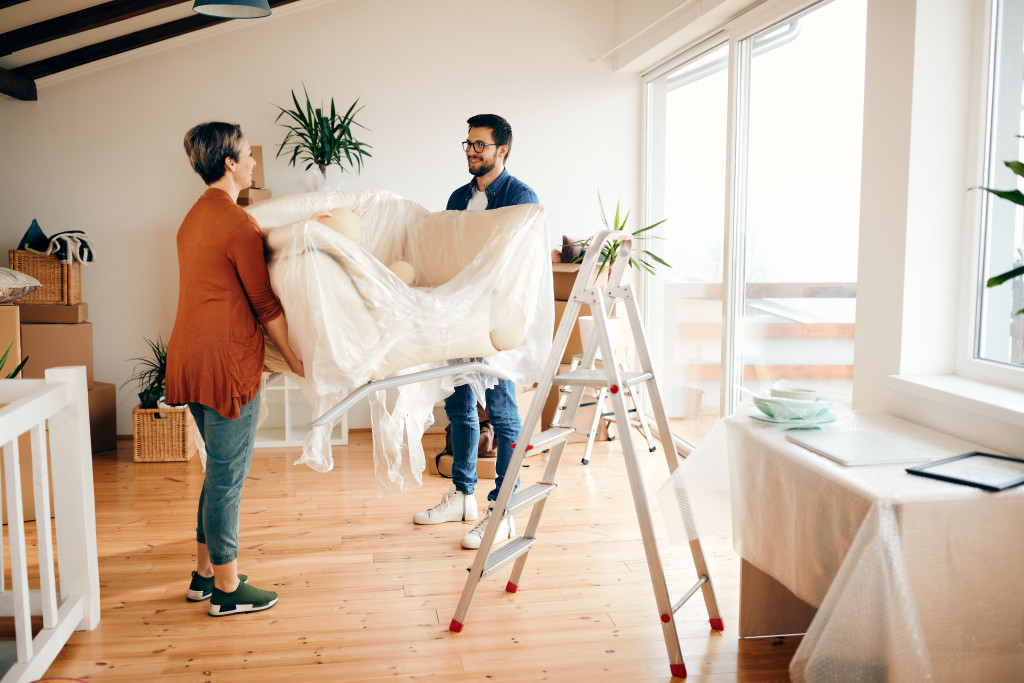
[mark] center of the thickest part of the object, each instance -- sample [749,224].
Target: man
[487,150]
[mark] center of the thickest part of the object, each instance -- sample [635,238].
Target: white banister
[59,405]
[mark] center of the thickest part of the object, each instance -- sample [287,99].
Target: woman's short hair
[209,144]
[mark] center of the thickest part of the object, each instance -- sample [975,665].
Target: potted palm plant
[322,138]
[639,257]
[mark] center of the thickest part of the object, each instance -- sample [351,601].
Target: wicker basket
[163,435]
[61,282]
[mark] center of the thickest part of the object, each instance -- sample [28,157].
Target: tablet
[983,470]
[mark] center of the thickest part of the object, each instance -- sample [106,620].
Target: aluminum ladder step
[529,495]
[599,378]
[549,437]
[506,553]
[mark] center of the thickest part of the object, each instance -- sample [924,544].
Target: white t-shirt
[477,201]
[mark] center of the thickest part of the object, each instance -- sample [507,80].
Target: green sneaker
[245,598]
[201,587]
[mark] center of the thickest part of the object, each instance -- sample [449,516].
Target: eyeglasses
[478,146]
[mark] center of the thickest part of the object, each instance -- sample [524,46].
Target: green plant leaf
[17,370]
[1014,196]
[1015,166]
[999,279]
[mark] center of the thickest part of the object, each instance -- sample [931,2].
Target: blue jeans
[229,446]
[504,415]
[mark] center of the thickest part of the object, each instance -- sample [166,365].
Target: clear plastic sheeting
[915,579]
[480,288]
[695,499]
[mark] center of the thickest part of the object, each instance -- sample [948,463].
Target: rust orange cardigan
[215,354]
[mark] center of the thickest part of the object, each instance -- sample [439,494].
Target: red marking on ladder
[511,587]
[455,627]
[665,618]
[678,670]
[614,389]
[717,624]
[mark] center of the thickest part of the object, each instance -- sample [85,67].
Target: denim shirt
[506,190]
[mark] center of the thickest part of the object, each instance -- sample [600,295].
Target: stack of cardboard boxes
[255,192]
[58,333]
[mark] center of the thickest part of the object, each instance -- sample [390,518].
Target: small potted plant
[321,139]
[639,257]
[162,433]
[149,374]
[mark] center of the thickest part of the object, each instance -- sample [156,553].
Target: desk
[911,576]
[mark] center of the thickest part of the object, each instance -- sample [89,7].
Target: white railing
[57,405]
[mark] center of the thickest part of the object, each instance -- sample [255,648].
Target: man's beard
[483,169]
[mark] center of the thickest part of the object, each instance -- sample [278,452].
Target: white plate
[809,423]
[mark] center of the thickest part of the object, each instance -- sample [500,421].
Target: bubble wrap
[915,579]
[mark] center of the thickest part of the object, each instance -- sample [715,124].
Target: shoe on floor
[201,587]
[456,506]
[243,599]
[506,530]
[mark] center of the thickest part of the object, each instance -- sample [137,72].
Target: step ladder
[596,397]
[616,381]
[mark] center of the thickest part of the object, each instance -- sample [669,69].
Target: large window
[754,148]
[999,333]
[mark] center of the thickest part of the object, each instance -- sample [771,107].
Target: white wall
[101,149]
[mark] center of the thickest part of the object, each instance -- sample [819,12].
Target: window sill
[994,402]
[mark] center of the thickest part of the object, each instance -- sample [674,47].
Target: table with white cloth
[907,578]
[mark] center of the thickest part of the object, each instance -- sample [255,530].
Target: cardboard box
[103,416]
[563,275]
[484,467]
[252,195]
[575,344]
[54,313]
[257,173]
[51,345]
[10,333]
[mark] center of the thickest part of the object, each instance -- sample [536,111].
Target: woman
[215,354]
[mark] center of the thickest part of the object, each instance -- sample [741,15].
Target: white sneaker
[506,530]
[456,506]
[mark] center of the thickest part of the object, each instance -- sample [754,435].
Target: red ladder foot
[511,587]
[455,627]
[678,670]
[717,624]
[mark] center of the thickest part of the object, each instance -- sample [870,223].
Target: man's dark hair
[209,144]
[500,129]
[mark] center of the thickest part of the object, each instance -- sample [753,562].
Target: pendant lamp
[233,9]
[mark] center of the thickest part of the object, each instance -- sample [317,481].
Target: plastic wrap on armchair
[481,288]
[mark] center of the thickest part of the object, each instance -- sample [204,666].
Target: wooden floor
[368,596]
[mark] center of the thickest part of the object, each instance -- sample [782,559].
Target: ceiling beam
[17,86]
[125,43]
[76,22]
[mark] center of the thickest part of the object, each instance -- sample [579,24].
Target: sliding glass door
[754,158]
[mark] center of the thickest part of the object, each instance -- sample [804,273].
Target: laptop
[854,448]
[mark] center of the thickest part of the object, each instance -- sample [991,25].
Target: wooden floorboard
[368,596]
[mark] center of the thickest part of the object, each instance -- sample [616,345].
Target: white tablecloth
[914,579]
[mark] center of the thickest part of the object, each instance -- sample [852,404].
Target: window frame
[979,156]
